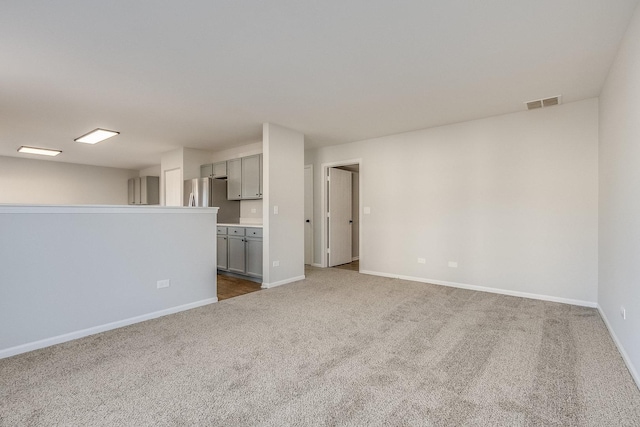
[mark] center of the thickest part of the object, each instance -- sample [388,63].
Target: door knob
[308,220]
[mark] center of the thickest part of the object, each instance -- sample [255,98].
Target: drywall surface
[151,171]
[237,152]
[47,182]
[193,159]
[283,174]
[619,269]
[512,199]
[69,269]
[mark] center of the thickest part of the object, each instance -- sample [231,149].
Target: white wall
[237,152]
[512,199]
[283,165]
[70,271]
[619,267]
[47,182]
[151,171]
[192,160]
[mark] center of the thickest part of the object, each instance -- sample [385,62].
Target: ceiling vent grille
[541,103]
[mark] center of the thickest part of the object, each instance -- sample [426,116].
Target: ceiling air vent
[540,103]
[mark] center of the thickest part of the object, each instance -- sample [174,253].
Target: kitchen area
[234,185]
[91,248]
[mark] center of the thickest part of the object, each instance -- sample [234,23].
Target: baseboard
[313,264]
[355,258]
[282,282]
[485,289]
[47,342]
[623,353]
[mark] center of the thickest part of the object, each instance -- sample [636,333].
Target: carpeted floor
[338,348]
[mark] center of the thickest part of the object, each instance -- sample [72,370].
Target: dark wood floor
[353,266]
[229,287]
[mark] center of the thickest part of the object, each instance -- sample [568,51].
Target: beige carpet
[339,348]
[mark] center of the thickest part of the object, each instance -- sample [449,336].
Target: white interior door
[339,220]
[308,214]
[173,187]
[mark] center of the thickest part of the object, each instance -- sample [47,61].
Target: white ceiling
[205,74]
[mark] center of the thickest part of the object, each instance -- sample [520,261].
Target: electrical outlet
[276,263]
[367,210]
[453,264]
[163,283]
[253,210]
[623,313]
[275,210]
[422,261]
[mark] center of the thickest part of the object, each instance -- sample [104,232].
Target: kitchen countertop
[240,225]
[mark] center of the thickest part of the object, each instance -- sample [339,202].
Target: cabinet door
[254,257]
[206,171]
[220,170]
[131,186]
[223,260]
[137,191]
[236,254]
[234,179]
[251,175]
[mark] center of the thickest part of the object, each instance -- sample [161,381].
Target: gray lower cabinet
[240,250]
[223,253]
[254,256]
[237,254]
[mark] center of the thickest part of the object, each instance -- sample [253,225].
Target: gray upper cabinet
[220,170]
[234,179]
[144,190]
[206,171]
[214,170]
[252,177]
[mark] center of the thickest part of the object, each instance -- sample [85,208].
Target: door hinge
[328,250]
[328,178]
[328,214]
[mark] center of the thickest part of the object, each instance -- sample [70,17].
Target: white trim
[355,258]
[310,167]
[313,264]
[623,353]
[23,348]
[282,282]
[486,289]
[102,209]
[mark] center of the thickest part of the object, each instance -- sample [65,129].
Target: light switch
[367,210]
[275,210]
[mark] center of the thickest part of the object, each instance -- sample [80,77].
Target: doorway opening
[342,215]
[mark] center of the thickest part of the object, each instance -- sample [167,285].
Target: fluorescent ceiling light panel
[41,151]
[96,136]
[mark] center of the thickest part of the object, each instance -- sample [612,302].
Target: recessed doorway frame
[323,202]
[312,195]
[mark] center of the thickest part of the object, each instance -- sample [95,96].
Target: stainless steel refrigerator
[209,192]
